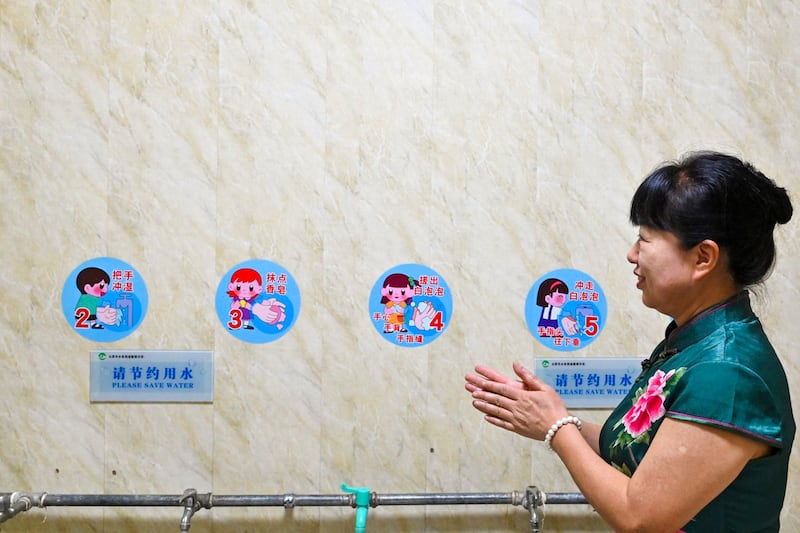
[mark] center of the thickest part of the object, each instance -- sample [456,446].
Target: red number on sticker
[437,321]
[236,319]
[81,316]
[591,326]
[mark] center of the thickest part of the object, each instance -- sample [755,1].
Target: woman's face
[664,271]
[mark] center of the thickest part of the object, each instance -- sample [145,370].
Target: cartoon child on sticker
[244,288]
[397,294]
[92,282]
[551,298]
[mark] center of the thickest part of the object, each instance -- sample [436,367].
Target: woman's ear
[707,257]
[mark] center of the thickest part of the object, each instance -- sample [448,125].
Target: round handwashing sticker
[410,305]
[104,299]
[565,310]
[257,301]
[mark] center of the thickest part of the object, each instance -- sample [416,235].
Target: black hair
[710,195]
[548,287]
[90,276]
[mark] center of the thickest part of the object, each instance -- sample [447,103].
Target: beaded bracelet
[558,425]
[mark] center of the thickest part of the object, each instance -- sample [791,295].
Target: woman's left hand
[526,406]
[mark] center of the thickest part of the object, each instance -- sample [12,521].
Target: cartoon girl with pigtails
[397,293]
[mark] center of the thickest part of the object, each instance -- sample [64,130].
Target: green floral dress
[718,370]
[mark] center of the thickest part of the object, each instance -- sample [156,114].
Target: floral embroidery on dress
[648,408]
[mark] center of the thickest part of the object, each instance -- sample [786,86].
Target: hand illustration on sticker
[570,325]
[423,316]
[271,311]
[109,315]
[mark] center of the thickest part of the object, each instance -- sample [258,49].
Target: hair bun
[776,200]
[781,205]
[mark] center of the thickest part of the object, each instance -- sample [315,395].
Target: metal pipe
[191,504]
[288,500]
[569,498]
[453,498]
[532,499]
[11,504]
[113,500]
[283,500]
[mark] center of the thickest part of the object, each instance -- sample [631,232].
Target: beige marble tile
[491,142]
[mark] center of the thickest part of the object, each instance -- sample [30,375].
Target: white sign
[589,382]
[151,376]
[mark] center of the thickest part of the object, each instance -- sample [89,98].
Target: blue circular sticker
[104,299]
[565,310]
[410,305]
[258,301]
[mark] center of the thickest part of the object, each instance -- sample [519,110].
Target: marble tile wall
[490,141]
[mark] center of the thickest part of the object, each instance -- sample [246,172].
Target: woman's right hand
[526,406]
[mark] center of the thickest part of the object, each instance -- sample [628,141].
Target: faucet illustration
[361,505]
[124,303]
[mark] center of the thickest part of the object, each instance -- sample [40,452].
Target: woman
[702,441]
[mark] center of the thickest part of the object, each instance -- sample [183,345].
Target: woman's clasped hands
[526,406]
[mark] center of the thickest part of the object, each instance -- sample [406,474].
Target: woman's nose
[633,254]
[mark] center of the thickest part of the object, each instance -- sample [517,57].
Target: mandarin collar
[700,326]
